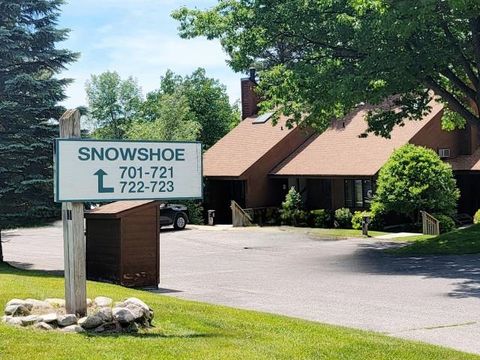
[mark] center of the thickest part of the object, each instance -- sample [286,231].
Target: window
[358,193]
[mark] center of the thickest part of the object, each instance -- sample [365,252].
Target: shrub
[357,219]
[447,224]
[476,217]
[414,179]
[291,211]
[195,212]
[343,218]
[376,220]
[320,218]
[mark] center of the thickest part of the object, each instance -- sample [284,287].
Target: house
[256,163]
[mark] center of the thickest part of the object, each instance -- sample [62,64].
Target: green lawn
[457,242]
[190,330]
[342,233]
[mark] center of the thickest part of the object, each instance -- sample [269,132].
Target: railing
[430,225]
[263,215]
[239,216]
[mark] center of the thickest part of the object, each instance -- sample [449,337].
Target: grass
[457,242]
[339,233]
[191,330]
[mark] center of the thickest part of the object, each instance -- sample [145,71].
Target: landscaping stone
[29,320]
[89,302]
[49,318]
[17,310]
[90,321]
[73,329]
[19,302]
[127,316]
[123,316]
[43,326]
[66,320]
[105,314]
[57,303]
[35,305]
[102,301]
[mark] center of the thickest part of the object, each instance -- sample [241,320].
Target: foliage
[343,218]
[194,330]
[204,113]
[456,242]
[447,224]
[291,212]
[321,218]
[357,219]
[113,103]
[414,179]
[476,217]
[195,211]
[323,58]
[172,120]
[30,59]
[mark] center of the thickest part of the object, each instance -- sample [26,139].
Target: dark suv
[174,214]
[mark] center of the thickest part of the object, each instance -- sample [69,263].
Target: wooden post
[74,246]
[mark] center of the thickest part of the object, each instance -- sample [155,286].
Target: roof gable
[339,151]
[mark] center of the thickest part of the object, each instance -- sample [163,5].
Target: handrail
[430,225]
[239,216]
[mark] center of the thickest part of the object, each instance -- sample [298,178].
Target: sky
[137,38]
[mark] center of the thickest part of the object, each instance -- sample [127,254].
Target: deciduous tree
[320,59]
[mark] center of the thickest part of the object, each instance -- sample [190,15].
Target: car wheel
[180,222]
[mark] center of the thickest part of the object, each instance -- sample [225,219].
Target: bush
[343,218]
[291,212]
[414,179]
[476,217]
[447,224]
[195,212]
[376,220]
[357,219]
[320,218]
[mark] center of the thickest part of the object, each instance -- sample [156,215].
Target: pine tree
[29,97]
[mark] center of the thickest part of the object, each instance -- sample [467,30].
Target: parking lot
[345,282]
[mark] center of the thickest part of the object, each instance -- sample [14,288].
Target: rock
[137,311]
[66,320]
[119,304]
[137,302]
[105,314]
[73,329]
[56,303]
[102,301]
[19,302]
[49,318]
[39,306]
[6,318]
[43,326]
[17,310]
[90,321]
[123,316]
[15,321]
[133,327]
[111,326]
[29,320]
[89,302]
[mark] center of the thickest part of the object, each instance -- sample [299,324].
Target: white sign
[91,170]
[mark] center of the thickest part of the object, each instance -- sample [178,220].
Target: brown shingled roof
[339,151]
[118,207]
[466,162]
[237,151]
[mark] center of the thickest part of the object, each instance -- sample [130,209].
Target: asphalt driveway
[345,282]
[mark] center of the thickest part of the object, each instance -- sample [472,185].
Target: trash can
[211,217]
[123,243]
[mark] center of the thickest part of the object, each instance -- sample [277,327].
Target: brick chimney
[250,99]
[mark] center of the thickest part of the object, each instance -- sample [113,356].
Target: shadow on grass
[371,258]
[148,335]
[21,269]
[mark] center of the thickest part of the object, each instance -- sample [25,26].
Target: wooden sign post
[74,246]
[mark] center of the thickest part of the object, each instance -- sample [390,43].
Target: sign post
[74,246]
[102,171]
